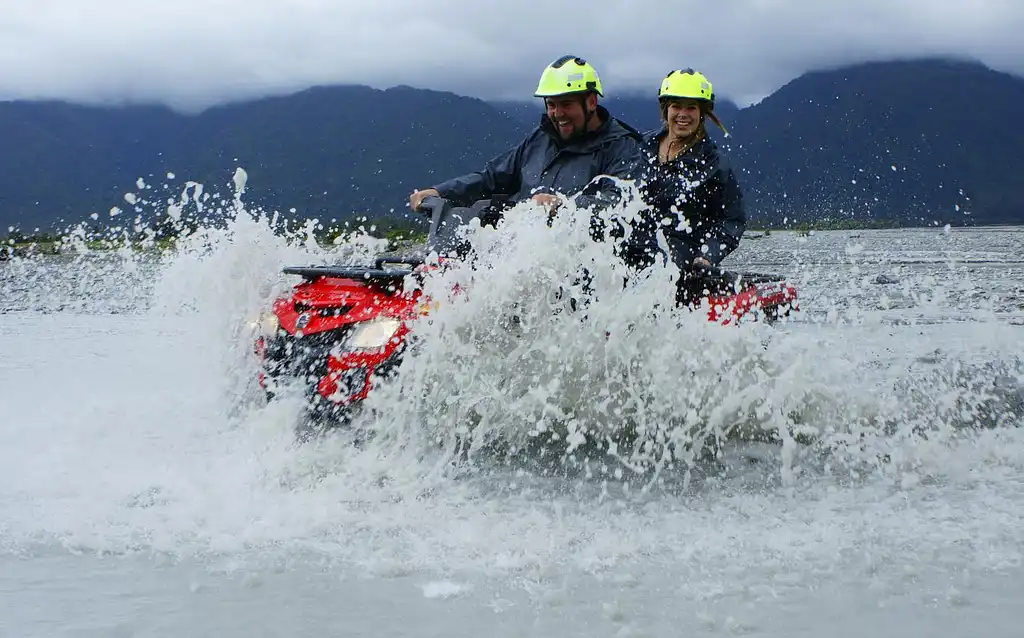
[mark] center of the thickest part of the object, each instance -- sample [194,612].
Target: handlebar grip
[430,203]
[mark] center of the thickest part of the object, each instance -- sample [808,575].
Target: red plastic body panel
[328,303]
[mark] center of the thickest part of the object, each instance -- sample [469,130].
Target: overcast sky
[192,53]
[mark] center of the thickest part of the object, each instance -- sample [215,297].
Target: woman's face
[683,117]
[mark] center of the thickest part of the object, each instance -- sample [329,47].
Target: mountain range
[913,142]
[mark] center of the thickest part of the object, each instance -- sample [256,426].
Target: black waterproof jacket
[698,190]
[542,163]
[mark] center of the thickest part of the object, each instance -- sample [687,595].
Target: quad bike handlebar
[434,208]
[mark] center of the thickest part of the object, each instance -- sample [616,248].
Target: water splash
[625,387]
[882,415]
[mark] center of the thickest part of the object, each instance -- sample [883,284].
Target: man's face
[568,114]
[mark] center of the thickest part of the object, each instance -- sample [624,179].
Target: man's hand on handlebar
[417,197]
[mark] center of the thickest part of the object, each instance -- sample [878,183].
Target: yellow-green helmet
[687,84]
[568,74]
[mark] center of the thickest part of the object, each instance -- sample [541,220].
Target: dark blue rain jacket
[696,201]
[543,163]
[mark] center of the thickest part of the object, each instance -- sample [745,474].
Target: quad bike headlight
[373,334]
[269,324]
[265,325]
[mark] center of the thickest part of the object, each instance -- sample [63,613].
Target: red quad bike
[343,330]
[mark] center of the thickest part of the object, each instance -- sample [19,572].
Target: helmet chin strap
[587,113]
[587,116]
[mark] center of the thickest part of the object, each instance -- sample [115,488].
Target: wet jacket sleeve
[501,175]
[622,159]
[726,202]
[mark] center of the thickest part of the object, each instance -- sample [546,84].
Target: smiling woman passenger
[693,194]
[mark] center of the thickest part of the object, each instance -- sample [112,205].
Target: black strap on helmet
[560,62]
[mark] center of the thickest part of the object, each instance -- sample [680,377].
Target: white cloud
[191,53]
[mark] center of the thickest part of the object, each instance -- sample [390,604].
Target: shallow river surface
[147,490]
